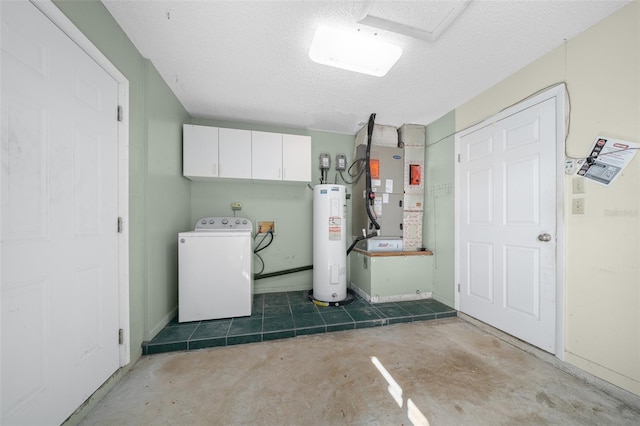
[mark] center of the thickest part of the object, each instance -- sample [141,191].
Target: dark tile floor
[290,314]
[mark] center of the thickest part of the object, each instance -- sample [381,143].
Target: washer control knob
[211,221]
[244,222]
[237,221]
[203,221]
[225,221]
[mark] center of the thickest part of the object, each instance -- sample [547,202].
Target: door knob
[544,237]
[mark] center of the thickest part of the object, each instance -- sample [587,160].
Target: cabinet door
[234,153]
[266,155]
[199,151]
[296,158]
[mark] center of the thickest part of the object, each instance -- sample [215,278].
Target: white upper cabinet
[234,153]
[200,151]
[212,152]
[296,158]
[266,155]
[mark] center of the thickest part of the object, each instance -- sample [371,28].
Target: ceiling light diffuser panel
[353,51]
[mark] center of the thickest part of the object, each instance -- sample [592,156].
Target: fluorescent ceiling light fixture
[353,51]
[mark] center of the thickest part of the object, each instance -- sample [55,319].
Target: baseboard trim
[148,335]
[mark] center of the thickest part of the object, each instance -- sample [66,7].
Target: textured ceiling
[247,61]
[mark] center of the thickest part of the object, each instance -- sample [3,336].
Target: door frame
[56,16]
[559,93]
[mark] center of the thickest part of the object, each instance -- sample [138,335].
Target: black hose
[255,274]
[371,196]
[360,238]
[283,272]
[258,248]
[356,177]
[354,244]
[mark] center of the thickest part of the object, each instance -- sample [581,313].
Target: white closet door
[507,208]
[59,216]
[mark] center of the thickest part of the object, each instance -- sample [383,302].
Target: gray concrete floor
[447,372]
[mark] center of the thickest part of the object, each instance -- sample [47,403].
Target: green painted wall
[439,214]
[167,202]
[289,204]
[158,194]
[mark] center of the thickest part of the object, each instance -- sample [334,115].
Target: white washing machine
[215,269]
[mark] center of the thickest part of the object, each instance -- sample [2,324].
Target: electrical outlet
[236,205]
[577,206]
[265,226]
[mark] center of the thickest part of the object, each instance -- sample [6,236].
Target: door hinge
[458,287]
[120,336]
[119,113]
[458,158]
[120,225]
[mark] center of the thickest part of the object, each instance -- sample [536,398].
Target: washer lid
[224,223]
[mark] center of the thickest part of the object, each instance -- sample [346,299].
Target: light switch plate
[577,206]
[578,185]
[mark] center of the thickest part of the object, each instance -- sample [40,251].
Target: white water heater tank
[329,243]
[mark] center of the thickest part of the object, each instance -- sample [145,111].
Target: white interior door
[60,314]
[507,207]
